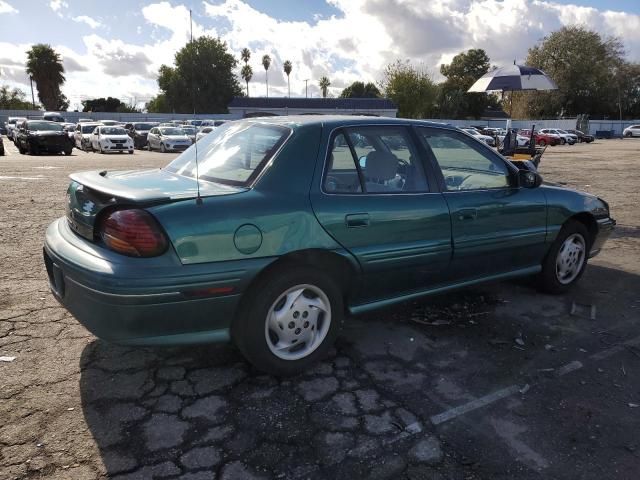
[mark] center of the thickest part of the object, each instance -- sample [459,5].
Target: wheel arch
[589,221]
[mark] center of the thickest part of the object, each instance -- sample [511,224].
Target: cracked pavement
[433,389]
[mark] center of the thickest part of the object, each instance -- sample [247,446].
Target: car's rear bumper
[605,228]
[131,301]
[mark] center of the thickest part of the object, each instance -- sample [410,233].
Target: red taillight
[134,233]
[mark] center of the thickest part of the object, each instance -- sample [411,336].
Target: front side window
[233,154]
[374,159]
[464,164]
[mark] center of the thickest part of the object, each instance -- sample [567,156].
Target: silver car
[167,139]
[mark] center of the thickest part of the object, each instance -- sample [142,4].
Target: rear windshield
[54,127]
[233,154]
[143,126]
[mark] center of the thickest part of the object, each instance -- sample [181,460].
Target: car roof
[336,121]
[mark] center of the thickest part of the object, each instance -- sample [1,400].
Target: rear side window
[374,159]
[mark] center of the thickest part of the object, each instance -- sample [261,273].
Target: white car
[522,141]
[631,131]
[12,129]
[110,123]
[204,132]
[483,138]
[191,132]
[111,139]
[565,137]
[82,134]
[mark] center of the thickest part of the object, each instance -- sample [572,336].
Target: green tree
[287,70]
[266,63]
[245,55]
[324,85]
[587,68]
[411,89]
[44,65]
[361,90]
[109,104]
[202,78]
[13,99]
[158,104]
[247,75]
[461,73]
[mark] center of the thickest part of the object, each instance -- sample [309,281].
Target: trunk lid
[91,192]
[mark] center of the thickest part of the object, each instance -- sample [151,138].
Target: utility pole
[33,99]
[306,90]
[191,25]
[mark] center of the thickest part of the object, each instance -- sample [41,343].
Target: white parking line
[3,177]
[474,405]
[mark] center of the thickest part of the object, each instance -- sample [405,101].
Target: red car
[542,139]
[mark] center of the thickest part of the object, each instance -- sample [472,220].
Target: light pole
[306,90]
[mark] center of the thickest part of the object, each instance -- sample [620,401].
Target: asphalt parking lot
[496,381]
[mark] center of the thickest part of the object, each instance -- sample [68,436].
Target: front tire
[562,141]
[289,320]
[542,142]
[163,149]
[566,260]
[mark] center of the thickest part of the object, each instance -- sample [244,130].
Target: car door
[376,199]
[151,136]
[497,227]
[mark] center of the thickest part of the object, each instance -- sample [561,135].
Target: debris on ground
[525,389]
[583,310]
[7,359]
[633,405]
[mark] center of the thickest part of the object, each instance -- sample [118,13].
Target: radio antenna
[193,102]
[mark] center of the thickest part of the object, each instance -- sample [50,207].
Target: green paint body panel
[399,246]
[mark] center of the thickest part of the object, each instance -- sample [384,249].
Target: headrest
[381,165]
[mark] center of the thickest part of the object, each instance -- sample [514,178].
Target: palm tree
[324,85]
[287,70]
[247,73]
[245,54]
[266,63]
[45,67]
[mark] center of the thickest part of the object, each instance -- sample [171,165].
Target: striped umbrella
[513,77]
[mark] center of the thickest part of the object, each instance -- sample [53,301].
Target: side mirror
[529,179]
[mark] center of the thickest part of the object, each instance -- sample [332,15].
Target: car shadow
[172,411]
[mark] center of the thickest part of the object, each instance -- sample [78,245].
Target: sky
[115,48]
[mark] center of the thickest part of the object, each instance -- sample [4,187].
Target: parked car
[11,127]
[40,136]
[194,123]
[1,146]
[278,242]
[476,134]
[3,129]
[106,139]
[110,123]
[541,139]
[82,135]
[190,132]
[139,131]
[53,117]
[168,139]
[582,137]
[85,120]
[204,131]
[565,137]
[631,131]
[70,128]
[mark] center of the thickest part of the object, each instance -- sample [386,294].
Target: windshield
[88,128]
[189,130]
[233,154]
[171,131]
[206,130]
[113,131]
[44,126]
[143,126]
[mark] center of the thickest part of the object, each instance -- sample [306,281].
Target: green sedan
[275,228]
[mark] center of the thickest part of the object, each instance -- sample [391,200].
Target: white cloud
[87,20]
[57,5]
[6,8]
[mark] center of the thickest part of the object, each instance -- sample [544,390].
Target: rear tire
[289,320]
[566,260]
[163,149]
[542,142]
[562,141]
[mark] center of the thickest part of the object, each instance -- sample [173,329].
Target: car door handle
[467,214]
[357,220]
